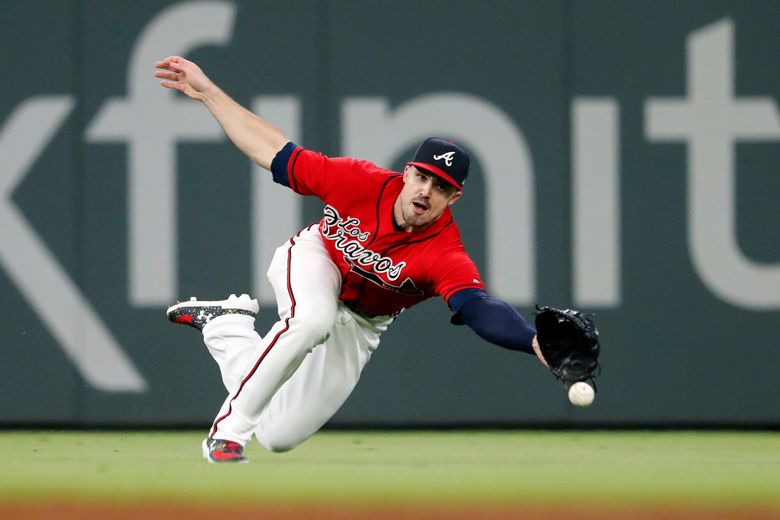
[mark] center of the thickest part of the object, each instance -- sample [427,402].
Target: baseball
[581,394]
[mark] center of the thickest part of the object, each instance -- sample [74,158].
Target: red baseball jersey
[383,270]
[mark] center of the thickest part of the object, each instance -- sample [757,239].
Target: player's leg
[231,340]
[307,285]
[320,386]
[228,331]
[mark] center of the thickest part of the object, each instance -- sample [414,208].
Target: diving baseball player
[386,242]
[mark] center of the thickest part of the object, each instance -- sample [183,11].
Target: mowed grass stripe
[497,468]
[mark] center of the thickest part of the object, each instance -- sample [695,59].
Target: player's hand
[183,75]
[538,351]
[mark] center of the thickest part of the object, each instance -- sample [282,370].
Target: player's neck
[399,224]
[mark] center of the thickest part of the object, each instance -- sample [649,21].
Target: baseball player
[386,242]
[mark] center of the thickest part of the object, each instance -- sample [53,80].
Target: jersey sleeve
[455,272]
[312,173]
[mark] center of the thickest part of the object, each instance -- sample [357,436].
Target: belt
[368,315]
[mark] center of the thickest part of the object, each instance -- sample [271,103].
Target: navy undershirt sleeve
[493,320]
[279,164]
[459,299]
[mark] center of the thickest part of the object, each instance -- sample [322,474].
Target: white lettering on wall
[711,120]
[151,120]
[595,137]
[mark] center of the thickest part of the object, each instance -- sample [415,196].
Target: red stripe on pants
[270,346]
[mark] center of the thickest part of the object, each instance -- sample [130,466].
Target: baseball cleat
[218,450]
[197,313]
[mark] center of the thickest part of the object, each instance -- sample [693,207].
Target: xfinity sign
[709,118]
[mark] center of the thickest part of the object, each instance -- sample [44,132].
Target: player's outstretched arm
[254,136]
[497,322]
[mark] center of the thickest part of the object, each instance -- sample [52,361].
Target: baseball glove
[569,342]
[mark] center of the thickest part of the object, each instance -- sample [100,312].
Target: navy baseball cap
[444,159]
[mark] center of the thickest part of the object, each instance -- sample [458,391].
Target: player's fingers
[163,63]
[176,63]
[167,62]
[172,84]
[164,74]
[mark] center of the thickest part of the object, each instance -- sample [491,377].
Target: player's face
[423,199]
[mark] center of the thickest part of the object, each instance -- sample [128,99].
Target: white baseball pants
[285,386]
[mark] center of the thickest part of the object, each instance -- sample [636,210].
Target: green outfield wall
[626,162]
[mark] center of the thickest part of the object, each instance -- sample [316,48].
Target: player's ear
[455,197]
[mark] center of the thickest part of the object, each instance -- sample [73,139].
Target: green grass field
[505,468]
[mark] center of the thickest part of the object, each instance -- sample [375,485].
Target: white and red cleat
[198,313]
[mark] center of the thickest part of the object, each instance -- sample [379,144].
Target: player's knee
[314,322]
[278,444]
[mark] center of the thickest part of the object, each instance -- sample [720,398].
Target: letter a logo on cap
[448,157]
[445,159]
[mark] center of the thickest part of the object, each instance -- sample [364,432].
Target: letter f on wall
[151,121]
[33,268]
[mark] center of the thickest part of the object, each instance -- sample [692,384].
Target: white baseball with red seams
[581,394]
